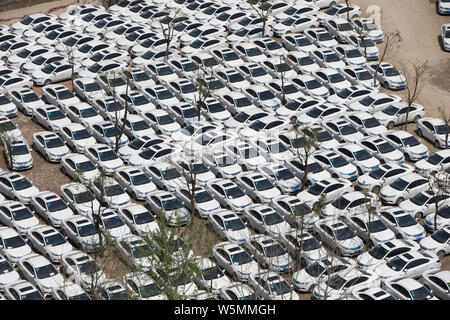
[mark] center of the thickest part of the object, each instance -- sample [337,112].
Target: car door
[37,242]
[359,226]
[29,273]
[416,267]
[255,220]
[219,226]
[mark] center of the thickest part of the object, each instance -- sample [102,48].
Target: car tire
[47,82]
[441,254]
[133,195]
[311,288]
[302,262]
[437,144]
[360,172]
[399,200]
[46,158]
[407,158]
[416,118]
[390,125]
[376,189]
[418,215]
[419,132]
[371,244]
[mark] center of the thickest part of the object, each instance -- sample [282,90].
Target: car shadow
[441,42]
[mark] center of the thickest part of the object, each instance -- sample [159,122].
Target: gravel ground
[418,24]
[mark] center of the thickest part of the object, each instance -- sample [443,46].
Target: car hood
[9,277]
[241,202]
[52,282]
[61,249]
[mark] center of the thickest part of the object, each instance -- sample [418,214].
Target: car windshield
[143,217]
[56,205]
[354,53]
[442,129]
[113,190]
[310,244]
[406,221]
[410,141]
[258,72]
[55,115]
[114,106]
[87,230]
[241,258]
[315,269]
[82,296]
[332,57]
[170,174]
[399,184]
[234,225]
[46,271]
[89,267]
[181,279]
[336,282]
[19,150]
[362,155]
[377,173]
[435,159]
[164,71]
[150,290]
[266,95]
[419,199]
[216,107]
[165,119]
[276,148]
[376,226]
[212,273]
[81,134]
[314,167]
[367,101]
[91,87]
[224,161]
[66,94]
[396,263]
[378,252]
[280,288]
[315,112]
[30,97]
[385,147]
[340,203]
[347,129]
[55,240]
[112,132]
[253,52]
[21,184]
[336,78]
[368,43]
[312,84]
[338,162]
[364,75]
[391,72]
[7,126]
[54,143]
[172,204]
[421,293]
[140,125]
[284,175]
[140,76]
[441,236]
[235,77]
[371,123]
[14,242]
[345,27]
[263,185]
[344,233]
[24,53]
[35,295]
[234,193]
[85,166]
[108,155]
[21,214]
[316,189]
[391,110]
[203,196]
[113,222]
[323,136]
[324,36]
[140,179]
[272,219]
[88,113]
[84,197]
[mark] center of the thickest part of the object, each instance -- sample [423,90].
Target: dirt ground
[417,21]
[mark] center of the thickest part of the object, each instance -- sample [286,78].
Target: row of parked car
[443,8]
[240,148]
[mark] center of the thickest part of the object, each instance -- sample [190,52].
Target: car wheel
[371,244]
[257,200]
[33,119]
[47,82]
[437,144]
[390,125]
[399,200]
[63,171]
[75,75]
[417,118]
[418,215]
[133,195]
[376,189]
[400,237]
[440,254]
[407,157]
[331,92]
[303,262]
[384,84]
[311,288]
[359,171]
[335,176]
[244,168]
[46,158]
[419,132]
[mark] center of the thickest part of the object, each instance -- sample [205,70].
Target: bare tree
[414,84]
[392,41]
[282,75]
[203,84]
[347,3]
[168,28]
[262,9]
[437,183]
[68,52]
[445,116]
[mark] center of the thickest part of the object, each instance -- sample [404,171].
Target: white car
[320,37]
[257,186]
[382,176]
[80,199]
[229,226]
[338,236]
[360,76]
[319,113]
[438,283]
[40,272]
[310,86]
[222,164]
[331,79]
[384,251]
[141,286]
[340,10]
[382,149]
[442,217]
[82,232]
[59,95]
[336,165]
[25,99]
[330,189]
[139,144]
[302,62]
[9,129]
[236,102]
[349,204]
[294,24]
[369,28]
[7,108]
[438,242]
[50,145]
[282,177]
[272,149]
[235,260]
[424,203]
[358,156]
[264,126]
[78,166]
[303,246]
[162,122]
[211,277]
[9,275]
[408,144]
[83,113]
[269,46]
[109,192]
[249,52]
[402,223]
[445,35]
[374,102]
[339,28]
[403,188]
[349,95]
[108,133]
[22,290]
[111,225]
[434,129]
[12,245]
[409,264]
[51,208]
[395,114]
[343,283]
[136,253]
[138,218]
[315,171]
[49,242]
[436,162]
[165,205]
[76,136]
[367,47]
[271,286]
[55,72]
[408,289]
[327,58]
[70,291]
[30,21]
[387,75]
[104,158]
[165,175]
[297,43]
[266,220]
[295,211]
[366,123]
[50,117]
[370,228]
[238,291]
[18,154]
[135,181]
[229,194]
[16,186]
[83,269]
